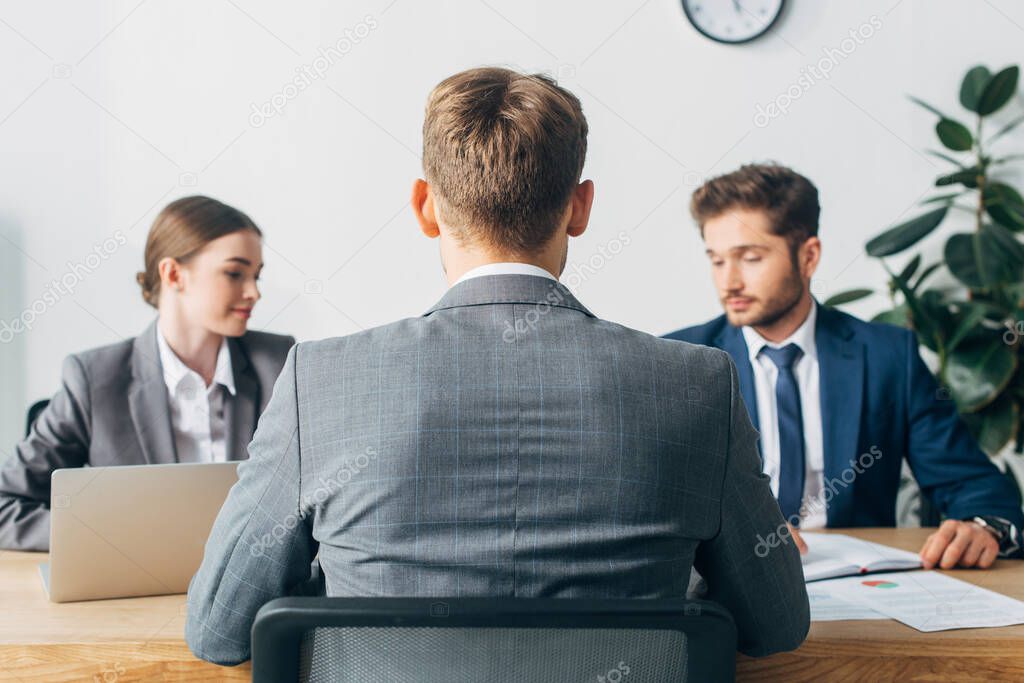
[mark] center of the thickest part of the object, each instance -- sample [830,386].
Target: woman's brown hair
[184,227]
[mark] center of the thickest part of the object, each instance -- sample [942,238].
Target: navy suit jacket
[877,396]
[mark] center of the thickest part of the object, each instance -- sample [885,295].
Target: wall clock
[733,21]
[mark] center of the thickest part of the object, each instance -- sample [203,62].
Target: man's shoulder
[684,364]
[704,334]
[376,340]
[667,345]
[876,336]
[408,334]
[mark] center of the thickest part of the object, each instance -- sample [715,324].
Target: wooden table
[143,638]
[135,639]
[886,650]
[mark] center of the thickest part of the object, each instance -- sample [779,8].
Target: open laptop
[119,532]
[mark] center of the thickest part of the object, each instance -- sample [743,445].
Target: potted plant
[974,326]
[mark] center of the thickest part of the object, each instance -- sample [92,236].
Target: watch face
[732,21]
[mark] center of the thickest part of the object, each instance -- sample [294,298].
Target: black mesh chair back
[424,640]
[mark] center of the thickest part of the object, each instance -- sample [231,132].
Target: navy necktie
[791,431]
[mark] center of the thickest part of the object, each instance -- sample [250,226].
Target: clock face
[732,21]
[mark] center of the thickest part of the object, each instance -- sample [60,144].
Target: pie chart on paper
[880,584]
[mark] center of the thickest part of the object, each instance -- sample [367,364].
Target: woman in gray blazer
[188,389]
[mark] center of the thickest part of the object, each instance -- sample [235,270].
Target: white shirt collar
[175,371]
[508,268]
[803,337]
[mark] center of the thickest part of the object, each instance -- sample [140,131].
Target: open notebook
[833,555]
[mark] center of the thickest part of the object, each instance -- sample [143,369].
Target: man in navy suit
[839,402]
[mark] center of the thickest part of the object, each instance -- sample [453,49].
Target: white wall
[108,110]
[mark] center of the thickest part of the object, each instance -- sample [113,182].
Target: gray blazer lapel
[240,410]
[147,400]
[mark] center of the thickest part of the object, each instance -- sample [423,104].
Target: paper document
[833,555]
[927,600]
[825,606]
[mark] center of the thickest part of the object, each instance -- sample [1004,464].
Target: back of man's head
[502,152]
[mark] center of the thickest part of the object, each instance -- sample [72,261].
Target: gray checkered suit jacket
[506,443]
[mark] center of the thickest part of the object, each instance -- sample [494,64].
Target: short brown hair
[180,230]
[502,152]
[789,199]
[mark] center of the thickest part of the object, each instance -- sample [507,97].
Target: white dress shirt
[807,378]
[197,410]
[507,268]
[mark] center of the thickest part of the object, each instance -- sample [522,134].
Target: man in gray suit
[506,443]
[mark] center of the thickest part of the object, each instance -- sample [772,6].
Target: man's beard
[776,306]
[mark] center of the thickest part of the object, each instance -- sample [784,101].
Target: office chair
[504,640]
[33,413]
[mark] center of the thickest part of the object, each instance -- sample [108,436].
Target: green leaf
[973,86]
[1005,205]
[943,198]
[898,316]
[1003,160]
[1007,242]
[1006,129]
[898,238]
[921,320]
[945,157]
[995,425]
[969,321]
[977,372]
[911,268]
[954,135]
[927,106]
[984,258]
[847,297]
[932,302]
[924,274]
[999,90]
[967,177]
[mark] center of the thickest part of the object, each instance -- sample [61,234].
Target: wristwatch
[1003,531]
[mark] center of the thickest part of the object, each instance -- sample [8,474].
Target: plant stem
[981,178]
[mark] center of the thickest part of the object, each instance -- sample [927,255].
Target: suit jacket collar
[509,289]
[150,409]
[148,402]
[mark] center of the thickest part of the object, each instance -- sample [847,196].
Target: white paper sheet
[825,606]
[927,600]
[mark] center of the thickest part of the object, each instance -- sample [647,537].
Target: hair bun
[147,292]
